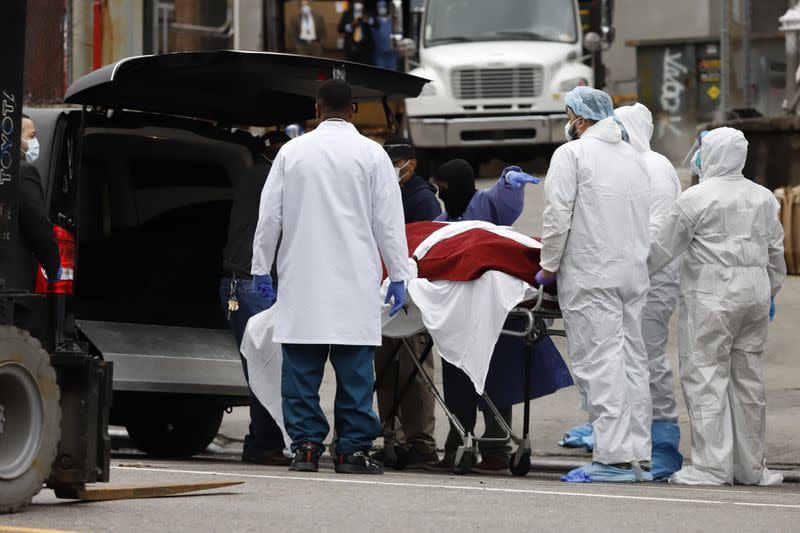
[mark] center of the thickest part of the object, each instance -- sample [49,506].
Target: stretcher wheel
[521,467]
[463,467]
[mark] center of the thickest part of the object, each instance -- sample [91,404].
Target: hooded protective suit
[662,298]
[596,238]
[733,264]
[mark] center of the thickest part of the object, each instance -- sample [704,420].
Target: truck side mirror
[592,42]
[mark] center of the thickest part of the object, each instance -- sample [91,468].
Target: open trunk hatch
[233,87]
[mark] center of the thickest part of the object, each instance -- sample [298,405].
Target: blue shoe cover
[666,458]
[600,473]
[576,476]
[579,437]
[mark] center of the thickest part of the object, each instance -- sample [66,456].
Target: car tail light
[66,251]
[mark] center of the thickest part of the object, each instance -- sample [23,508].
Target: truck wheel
[175,435]
[30,418]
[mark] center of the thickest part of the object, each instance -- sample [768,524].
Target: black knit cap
[399,147]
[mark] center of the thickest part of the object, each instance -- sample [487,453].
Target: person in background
[308,31]
[728,232]
[596,237]
[502,204]
[264,442]
[384,55]
[332,195]
[357,28]
[416,414]
[34,224]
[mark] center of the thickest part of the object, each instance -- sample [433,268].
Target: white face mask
[306,9]
[33,150]
[382,11]
[399,171]
[568,132]
[358,9]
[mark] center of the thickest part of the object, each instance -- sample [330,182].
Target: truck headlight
[568,85]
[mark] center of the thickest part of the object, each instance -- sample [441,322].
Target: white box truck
[499,71]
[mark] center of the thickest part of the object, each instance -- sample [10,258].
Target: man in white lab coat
[333,196]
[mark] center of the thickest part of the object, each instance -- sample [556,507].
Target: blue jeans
[356,423]
[264,434]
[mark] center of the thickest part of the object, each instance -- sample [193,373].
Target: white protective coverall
[334,195]
[662,298]
[596,238]
[733,263]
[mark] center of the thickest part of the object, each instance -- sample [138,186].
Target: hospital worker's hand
[262,285]
[396,292]
[545,278]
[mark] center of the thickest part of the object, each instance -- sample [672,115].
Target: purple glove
[519,179]
[262,285]
[397,292]
[504,174]
[539,278]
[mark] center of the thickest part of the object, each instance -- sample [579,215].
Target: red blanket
[469,255]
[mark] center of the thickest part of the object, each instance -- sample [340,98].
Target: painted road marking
[469,488]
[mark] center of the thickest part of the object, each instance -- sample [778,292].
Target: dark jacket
[359,52]
[238,253]
[35,227]
[419,200]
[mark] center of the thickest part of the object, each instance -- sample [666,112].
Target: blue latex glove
[57,277]
[504,174]
[772,309]
[539,279]
[262,285]
[518,179]
[396,291]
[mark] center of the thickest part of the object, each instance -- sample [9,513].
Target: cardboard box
[789,198]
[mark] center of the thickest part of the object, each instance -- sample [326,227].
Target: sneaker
[267,458]
[306,458]
[442,465]
[382,457]
[417,460]
[491,465]
[358,463]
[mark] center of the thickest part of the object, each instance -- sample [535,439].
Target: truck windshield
[454,21]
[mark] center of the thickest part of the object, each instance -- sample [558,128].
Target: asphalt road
[273,499]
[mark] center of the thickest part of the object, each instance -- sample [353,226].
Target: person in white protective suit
[727,229]
[662,298]
[596,239]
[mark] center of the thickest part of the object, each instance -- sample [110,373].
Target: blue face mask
[33,150]
[696,167]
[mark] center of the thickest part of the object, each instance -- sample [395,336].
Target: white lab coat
[729,233]
[333,195]
[596,238]
[662,298]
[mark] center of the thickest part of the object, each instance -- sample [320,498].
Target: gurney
[495,274]
[538,316]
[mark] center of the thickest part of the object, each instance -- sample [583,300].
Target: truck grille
[523,82]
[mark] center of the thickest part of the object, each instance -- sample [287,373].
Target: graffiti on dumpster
[672,89]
